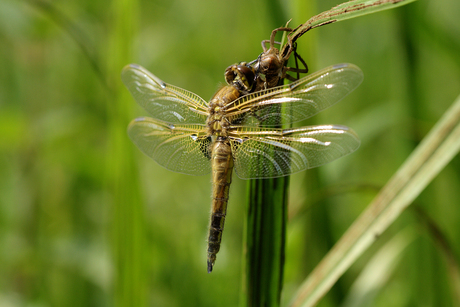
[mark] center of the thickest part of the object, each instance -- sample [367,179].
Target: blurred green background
[87,220]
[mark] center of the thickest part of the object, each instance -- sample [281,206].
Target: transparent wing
[179,148]
[163,101]
[295,101]
[268,153]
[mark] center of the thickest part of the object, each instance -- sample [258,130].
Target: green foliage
[87,220]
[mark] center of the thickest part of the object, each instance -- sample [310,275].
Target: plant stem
[265,241]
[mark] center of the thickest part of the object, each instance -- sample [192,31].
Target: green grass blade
[426,161]
[351,9]
[128,226]
[265,240]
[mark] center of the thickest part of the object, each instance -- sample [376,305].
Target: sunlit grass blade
[350,9]
[379,269]
[426,161]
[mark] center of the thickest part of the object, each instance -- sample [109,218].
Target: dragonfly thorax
[217,122]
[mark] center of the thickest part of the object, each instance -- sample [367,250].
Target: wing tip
[347,65]
[133,65]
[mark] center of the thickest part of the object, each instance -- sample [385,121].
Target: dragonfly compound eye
[246,75]
[241,76]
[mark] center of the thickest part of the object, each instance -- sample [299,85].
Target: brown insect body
[222,167]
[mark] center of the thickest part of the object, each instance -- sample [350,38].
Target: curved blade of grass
[344,11]
[425,162]
[76,33]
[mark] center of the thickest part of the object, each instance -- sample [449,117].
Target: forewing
[298,100]
[179,148]
[268,153]
[163,101]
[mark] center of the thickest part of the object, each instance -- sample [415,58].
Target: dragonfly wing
[163,101]
[272,153]
[298,100]
[179,148]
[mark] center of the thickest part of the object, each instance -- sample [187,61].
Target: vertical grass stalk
[128,227]
[265,240]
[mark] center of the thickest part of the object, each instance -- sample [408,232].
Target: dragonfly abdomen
[222,166]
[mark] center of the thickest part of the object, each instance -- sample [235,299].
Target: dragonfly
[235,131]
